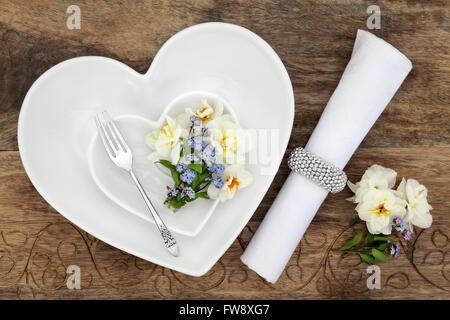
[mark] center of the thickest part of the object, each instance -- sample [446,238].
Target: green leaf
[354,220]
[203,195]
[173,171]
[367,258]
[175,176]
[196,167]
[175,203]
[369,237]
[382,238]
[379,255]
[356,239]
[166,163]
[383,246]
[199,179]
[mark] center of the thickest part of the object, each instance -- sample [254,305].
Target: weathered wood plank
[314,39]
[37,245]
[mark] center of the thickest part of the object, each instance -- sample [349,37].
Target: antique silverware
[121,156]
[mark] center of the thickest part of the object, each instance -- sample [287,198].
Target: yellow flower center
[203,117]
[167,131]
[234,183]
[380,209]
[228,142]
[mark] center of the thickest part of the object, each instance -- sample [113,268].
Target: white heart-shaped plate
[56,129]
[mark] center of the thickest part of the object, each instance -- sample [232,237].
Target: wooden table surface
[314,39]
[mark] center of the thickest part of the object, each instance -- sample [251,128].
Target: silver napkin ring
[320,171]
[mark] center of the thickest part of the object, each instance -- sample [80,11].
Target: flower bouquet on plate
[204,150]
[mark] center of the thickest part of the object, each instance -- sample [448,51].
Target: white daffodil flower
[166,141]
[234,178]
[207,111]
[418,209]
[229,139]
[378,208]
[376,177]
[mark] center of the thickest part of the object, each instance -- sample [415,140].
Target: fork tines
[110,134]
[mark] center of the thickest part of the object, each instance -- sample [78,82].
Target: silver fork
[121,155]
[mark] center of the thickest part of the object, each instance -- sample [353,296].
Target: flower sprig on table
[204,150]
[389,214]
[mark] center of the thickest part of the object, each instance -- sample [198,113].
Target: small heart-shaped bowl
[118,186]
[56,129]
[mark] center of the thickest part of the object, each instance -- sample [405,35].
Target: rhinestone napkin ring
[321,172]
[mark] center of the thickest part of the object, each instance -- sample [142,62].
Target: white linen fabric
[375,72]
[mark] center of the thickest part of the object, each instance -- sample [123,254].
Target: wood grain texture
[314,39]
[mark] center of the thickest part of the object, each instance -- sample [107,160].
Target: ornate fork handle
[169,240]
[121,155]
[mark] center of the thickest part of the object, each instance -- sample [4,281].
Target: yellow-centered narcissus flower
[166,142]
[234,178]
[418,209]
[378,208]
[375,177]
[229,139]
[207,111]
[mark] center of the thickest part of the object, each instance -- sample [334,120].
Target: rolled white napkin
[375,72]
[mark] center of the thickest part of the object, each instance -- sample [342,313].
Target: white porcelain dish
[56,127]
[118,186]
